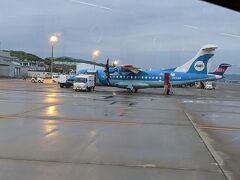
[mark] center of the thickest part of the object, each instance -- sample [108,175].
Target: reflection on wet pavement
[53,133]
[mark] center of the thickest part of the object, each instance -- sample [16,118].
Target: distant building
[33,65]
[13,67]
[9,66]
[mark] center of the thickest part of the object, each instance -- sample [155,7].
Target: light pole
[53,40]
[95,54]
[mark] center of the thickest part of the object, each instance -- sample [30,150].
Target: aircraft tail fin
[221,69]
[200,64]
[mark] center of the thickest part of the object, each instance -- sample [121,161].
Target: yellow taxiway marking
[218,128]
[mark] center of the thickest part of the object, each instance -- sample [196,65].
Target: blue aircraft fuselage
[129,77]
[147,79]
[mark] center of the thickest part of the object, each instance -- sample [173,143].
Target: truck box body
[85,82]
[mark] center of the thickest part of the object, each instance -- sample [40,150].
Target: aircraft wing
[130,68]
[131,85]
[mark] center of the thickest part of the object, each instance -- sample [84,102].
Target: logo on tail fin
[199,66]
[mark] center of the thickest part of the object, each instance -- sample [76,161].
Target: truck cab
[84,82]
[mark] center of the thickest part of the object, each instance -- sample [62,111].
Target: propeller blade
[107,69]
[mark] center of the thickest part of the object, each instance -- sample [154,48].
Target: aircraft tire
[134,90]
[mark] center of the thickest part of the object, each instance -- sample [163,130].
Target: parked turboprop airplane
[132,78]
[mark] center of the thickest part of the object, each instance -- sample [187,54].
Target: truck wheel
[61,85]
[32,81]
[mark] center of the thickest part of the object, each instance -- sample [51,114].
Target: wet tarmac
[51,133]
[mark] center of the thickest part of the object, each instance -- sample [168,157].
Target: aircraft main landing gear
[132,90]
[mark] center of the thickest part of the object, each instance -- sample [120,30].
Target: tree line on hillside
[25,56]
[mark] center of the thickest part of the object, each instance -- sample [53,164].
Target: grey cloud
[162,32]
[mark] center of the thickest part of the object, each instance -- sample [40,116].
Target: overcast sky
[150,34]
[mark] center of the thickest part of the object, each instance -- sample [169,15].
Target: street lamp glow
[53,39]
[95,54]
[115,63]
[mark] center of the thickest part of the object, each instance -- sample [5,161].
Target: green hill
[71,60]
[25,56]
[31,57]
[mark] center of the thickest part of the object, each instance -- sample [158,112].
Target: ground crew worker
[202,85]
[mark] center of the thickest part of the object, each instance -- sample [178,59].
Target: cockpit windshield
[81,80]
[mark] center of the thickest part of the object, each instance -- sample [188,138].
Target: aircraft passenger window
[146,77]
[131,77]
[120,76]
[156,77]
[142,77]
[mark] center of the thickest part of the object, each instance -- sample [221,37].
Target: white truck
[210,85]
[84,82]
[65,81]
[206,85]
